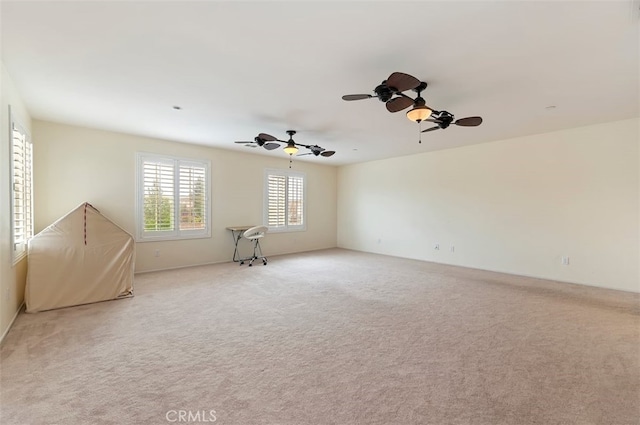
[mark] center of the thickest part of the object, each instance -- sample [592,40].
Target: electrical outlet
[452,248]
[156,253]
[565,261]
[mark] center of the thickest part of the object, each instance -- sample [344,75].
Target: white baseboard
[15,316]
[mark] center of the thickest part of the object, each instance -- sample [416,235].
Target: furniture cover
[81,258]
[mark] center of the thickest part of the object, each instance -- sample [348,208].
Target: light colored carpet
[330,337]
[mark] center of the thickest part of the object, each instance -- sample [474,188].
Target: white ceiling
[241,68]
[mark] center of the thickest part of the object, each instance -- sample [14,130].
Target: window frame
[19,249]
[176,233]
[265,204]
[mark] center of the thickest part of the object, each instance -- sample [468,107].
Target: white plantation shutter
[158,185]
[276,210]
[192,196]
[284,200]
[172,198]
[295,201]
[22,184]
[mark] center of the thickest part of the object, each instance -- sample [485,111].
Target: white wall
[515,206]
[75,165]
[12,277]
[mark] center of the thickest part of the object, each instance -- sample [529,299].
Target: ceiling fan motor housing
[445,119]
[383,92]
[316,150]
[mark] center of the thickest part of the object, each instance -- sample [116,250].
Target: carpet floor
[330,337]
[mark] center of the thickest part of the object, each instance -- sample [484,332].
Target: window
[22,189]
[284,200]
[172,198]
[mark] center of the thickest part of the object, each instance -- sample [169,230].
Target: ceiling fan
[391,91]
[292,147]
[263,140]
[270,142]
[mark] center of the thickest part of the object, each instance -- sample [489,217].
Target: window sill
[171,238]
[279,230]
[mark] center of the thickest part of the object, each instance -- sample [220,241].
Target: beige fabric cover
[62,271]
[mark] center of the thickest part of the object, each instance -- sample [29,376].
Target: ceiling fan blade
[327,153]
[431,129]
[399,103]
[402,82]
[244,142]
[267,137]
[303,154]
[469,121]
[271,146]
[356,96]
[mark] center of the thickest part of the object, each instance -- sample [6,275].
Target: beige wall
[74,165]
[515,206]
[12,277]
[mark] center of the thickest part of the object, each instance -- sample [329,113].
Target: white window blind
[193,214]
[284,200]
[158,179]
[295,201]
[22,187]
[276,210]
[173,200]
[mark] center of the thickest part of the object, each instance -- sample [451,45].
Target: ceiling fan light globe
[290,149]
[419,113]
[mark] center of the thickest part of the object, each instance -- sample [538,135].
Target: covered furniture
[81,258]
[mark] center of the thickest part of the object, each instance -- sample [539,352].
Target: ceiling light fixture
[291,148]
[419,113]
